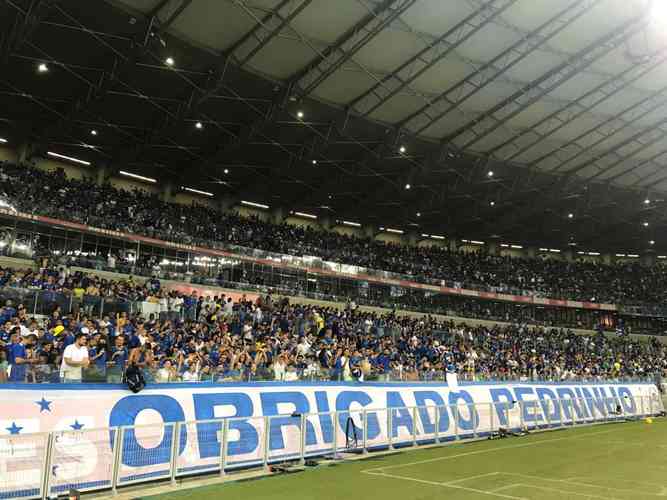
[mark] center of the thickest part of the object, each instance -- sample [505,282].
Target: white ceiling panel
[283,57]
[213,24]
[375,55]
[435,16]
[343,86]
[326,20]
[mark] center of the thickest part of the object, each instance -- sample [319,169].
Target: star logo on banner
[76,425]
[44,405]
[14,429]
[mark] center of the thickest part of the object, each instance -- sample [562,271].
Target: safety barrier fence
[44,465]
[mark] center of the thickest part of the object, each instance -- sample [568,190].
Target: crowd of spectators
[53,194]
[196,338]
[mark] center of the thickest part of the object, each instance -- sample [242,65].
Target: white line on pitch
[445,485]
[576,483]
[490,450]
[663,488]
[548,488]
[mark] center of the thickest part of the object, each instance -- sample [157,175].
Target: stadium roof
[533,121]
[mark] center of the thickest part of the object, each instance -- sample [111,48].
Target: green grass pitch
[615,461]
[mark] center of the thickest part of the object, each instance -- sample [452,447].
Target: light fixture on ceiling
[68,158]
[42,68]
[419,214]
[199,125]
[226,171]
[402,149]
[3,141]
[645,224]
[93,132]
[314,162]
[489,173]
[138,177]
[169,61]
[253,204]
[300,115]
[570,216]
[652,242]
[493,203]
[408,186]
[196,191]
[647,201]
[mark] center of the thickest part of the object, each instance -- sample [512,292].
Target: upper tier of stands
[53,194]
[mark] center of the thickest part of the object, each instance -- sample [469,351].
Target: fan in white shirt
[75,358]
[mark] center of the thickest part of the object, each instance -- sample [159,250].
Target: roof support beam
[23,27]
[384,90]
[317,71]
[452,98]
[348,45]
[262,34]
[499,114]
[526,139]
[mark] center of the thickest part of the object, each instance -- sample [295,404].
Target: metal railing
[47,464]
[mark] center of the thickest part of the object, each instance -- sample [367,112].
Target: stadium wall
[265,422]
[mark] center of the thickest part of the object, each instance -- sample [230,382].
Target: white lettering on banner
[393,412]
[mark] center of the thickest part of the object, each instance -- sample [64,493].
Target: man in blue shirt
[17,357]
[117,361]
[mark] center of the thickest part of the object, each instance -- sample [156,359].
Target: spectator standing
[75,358]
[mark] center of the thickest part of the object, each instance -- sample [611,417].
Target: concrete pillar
[103,173]
[326,222]
[453,244]
[568,255]
[531,252]
[411,237]
[167,193]
[24,154]
[277,215]
[648,258]
[369,230]
[225,203]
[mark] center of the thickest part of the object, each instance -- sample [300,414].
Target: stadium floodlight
[199,125]
[42,68]
[226,170]
[196,191]
[570,216]
[408,186]
[402,149]
[254,205]
[93,132]
[645,224]
[437,237]
[3,141]
[300,115]
[419,214]
[138,177]
[350,223]
[647,201]
[68,158]
[395,231]
[314,162]
[652,242]
[492,203]
[489,173]
[169,61]
[305,215]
